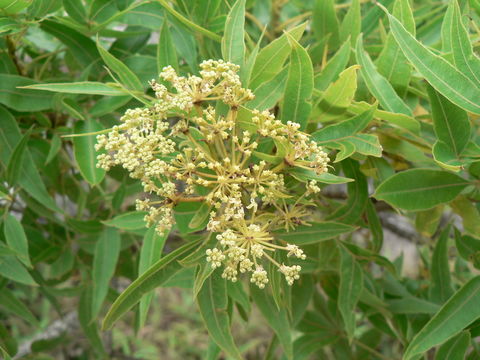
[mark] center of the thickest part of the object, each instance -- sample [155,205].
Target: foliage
[389,89]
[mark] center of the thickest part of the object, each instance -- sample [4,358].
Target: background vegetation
[71,242]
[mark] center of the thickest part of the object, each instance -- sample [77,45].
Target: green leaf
[463,56]
[13,96]
[351,211]
[333,68]
[14,6]
[9,303]
[154,277]
[339,94]
[468,247]
[391,62]
[325,22]
[325,178]
[82,48]
[412,305]
[201,216]
[8,344]
[212,302]
[470,214]
[277,318]
[127,77]
[30,179]
[150,253]
[451,124]
[76,10]
[16,161]
[189,24]
[375,226]
[441,285]
[271,58]
[166,53]
[299,88]
[455,348]
[82,87]
[12,269]
[350,288]
[378,85]
[443,76]
[314,233]
[84,149]
[16,239]
[420,189]
[105,260]
[133,220]
[345,129]
[55,146]
[458,312]
[88,323]
[351,23]
[309,344]
[399,120]
[269,93]
[233,44]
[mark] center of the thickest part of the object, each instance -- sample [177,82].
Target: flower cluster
[184,149]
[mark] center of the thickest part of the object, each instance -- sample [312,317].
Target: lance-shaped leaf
[82,87]
[333,68]
[351,211]
[16,160]
[345,128]
[154,277]
[314,233]
[9,303]
[132,220]
[325,22]
[457,41]
[444,77]
[277,318]
[150,253]
[455,348]
[298,90]
[378,85]
[82,48]
[271,58]
[351,286]
[352,23]
[458,312]
[166,53]
[269,93]
[450,123]
[339,95]
[420,189]
[85,154]
[126,76]
[105,259]
[441,287]
[16,239]
[391,62]
[212,302]
[233,43]
[20,99]
[12,269]
[29,178]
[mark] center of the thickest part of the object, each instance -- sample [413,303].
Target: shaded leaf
[84,149]
[233,44]
[212,302]
[457,313]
